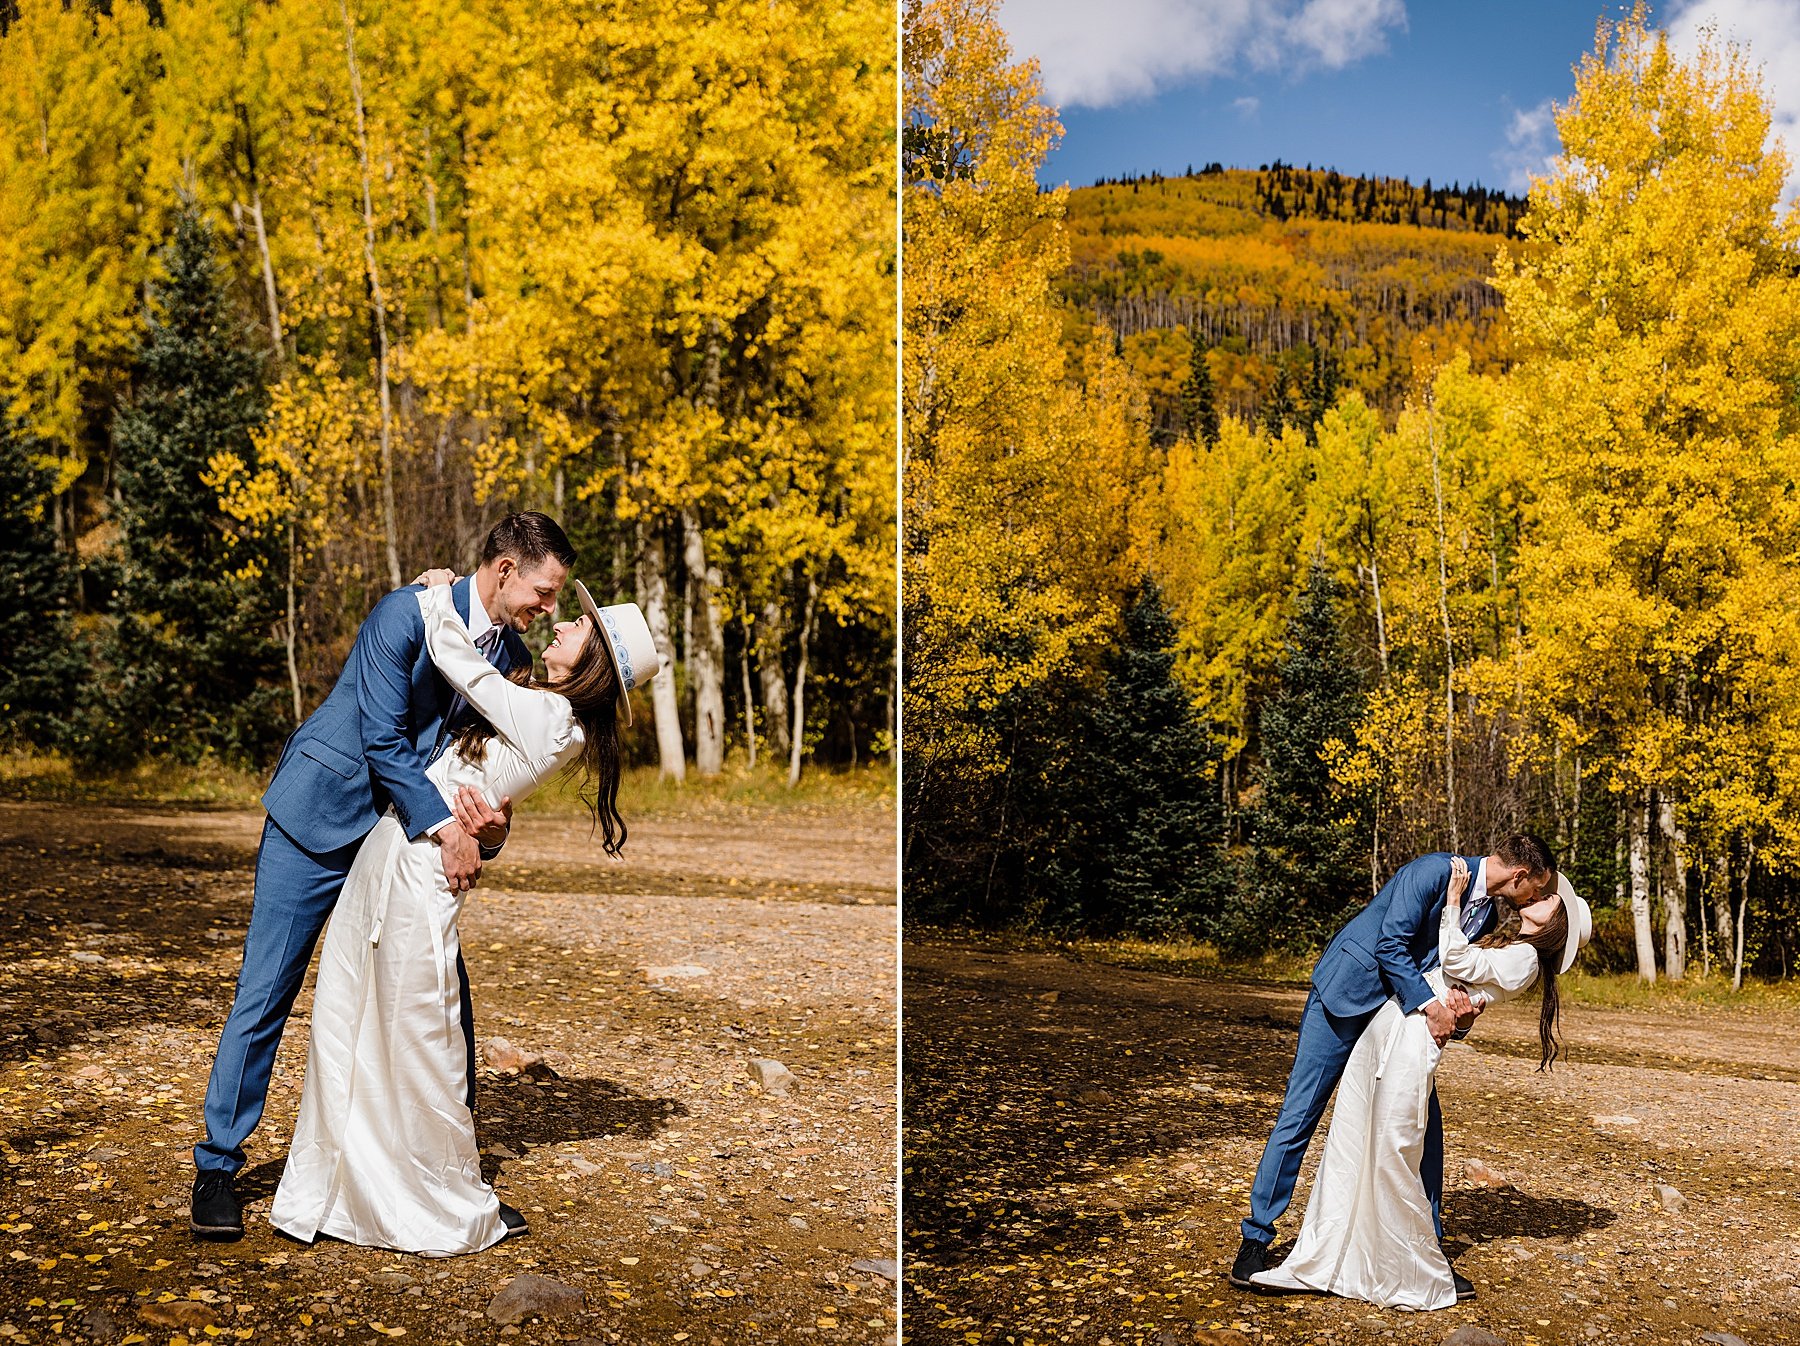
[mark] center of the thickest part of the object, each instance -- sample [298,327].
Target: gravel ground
[1080,1140]
[681,1202]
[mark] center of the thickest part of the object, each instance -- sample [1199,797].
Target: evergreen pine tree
[39,668]
[1321,391]
[1278,411]
[192,664]
[1199,408]
[1308,870]
[1148,835]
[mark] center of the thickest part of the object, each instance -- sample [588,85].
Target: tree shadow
[1487,1215]
[1030,1076]
[124,928]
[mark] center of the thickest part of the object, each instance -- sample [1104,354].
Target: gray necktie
[1475,914]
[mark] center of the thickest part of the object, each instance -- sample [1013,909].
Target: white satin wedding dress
[384,1147]
[1368,1232]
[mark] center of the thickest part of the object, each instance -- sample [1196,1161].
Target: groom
[1383,953]
[363,751]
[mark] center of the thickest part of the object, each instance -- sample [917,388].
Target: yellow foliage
[1656,332]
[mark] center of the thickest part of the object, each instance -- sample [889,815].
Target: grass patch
[1701,994]
[1201,961]
[645,791]
[52,778]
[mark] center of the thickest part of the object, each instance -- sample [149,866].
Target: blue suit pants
[1319,1059]
[295,892]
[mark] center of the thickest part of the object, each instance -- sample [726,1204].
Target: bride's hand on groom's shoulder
[1459,877]
[440,575]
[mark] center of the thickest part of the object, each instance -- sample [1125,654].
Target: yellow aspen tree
[993,601]
[1655,330]
[78,218]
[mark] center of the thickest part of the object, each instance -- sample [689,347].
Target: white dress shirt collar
[479,621]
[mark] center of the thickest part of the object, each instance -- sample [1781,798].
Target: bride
[384,1146]
[1368,1232]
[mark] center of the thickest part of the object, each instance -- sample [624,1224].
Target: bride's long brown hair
[592,691]
[1548,942]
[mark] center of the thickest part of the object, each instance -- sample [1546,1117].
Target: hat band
[621,655]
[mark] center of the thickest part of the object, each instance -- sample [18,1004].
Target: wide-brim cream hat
[628,644]
[1581,921]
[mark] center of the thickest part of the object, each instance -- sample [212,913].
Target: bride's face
[571,639]
[1535,917]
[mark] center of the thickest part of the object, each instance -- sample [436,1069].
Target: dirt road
[684,1204]
[1080,1140]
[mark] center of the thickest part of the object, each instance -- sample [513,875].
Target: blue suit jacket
[368,744]
[1390,944]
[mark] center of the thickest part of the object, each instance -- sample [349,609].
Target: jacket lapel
[459,594]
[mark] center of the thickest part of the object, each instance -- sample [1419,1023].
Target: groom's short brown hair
[528,537]
[1529,850]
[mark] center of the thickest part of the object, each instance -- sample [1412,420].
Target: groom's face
[1518,887]
[521,595]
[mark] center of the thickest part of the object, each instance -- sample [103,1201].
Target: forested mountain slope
[1334,279]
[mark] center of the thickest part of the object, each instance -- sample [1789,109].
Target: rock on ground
[772,1077]
[534,1296]
[1470,1335]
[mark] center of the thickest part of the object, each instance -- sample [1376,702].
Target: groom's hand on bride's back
[461,857]
[1440,1019]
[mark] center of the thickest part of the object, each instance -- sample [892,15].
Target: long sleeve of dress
[1495,974]
[539,724]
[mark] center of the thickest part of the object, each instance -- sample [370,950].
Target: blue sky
[1440,89]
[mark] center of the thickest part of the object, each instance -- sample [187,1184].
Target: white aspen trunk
[1674,895]
[653,594]
[769,633]
[1621,885]
[1375,846]
[268,270]
[381,331]
[293,662]
[1710,883]
[1380,615]
[556,498]
[797,731]
[706,650]
[1640,885]
[468,247]
[1575,827]
[1737,962]
[431,221]
[749,697]
[1437,486]
[1723,923]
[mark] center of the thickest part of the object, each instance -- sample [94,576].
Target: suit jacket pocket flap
[1364,956]
[331,759]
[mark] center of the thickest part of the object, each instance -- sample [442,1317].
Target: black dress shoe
[515,1222]
[214,1213]
[1250,1258]
[1465,1288]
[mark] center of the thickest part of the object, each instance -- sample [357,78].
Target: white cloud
[1770,32]
[1531,147]
[1097,55]
[1247,108]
